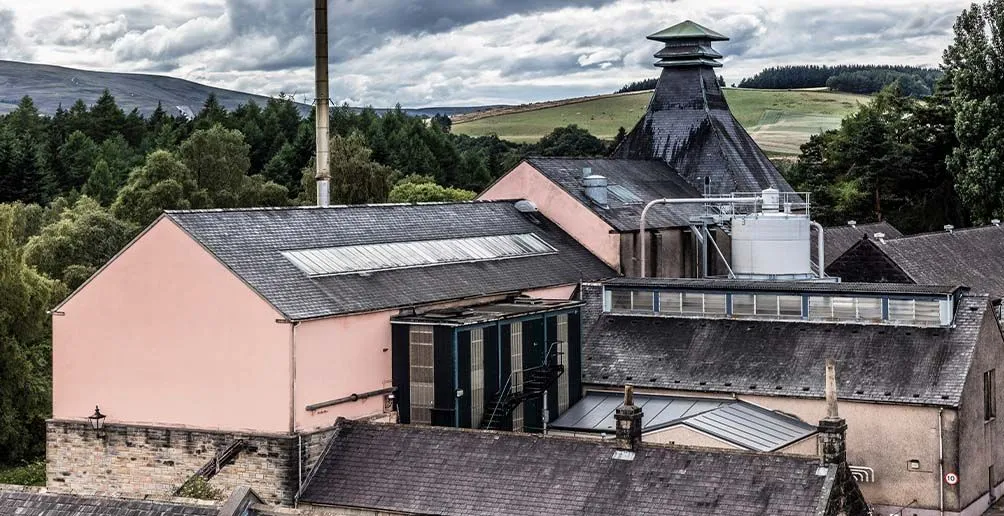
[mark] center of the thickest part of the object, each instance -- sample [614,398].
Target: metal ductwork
[321,100]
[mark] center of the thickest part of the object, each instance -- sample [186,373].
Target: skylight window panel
[623,194]
[714,304]
[790,306]
[669,302]
[400,255]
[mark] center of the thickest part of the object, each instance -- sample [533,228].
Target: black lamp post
[97,421]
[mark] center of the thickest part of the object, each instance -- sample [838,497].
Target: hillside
[780,121]
[49,86]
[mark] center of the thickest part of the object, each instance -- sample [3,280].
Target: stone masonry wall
[145,460]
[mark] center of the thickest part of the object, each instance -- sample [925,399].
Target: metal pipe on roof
[699,200]
[323,175]
[820,253]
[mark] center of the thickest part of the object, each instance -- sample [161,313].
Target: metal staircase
[217,462]
[536,381]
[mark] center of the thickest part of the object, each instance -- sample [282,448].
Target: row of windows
[780,306]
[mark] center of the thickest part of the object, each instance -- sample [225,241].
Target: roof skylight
[355,259]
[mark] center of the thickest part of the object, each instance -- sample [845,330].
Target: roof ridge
[919,236]
[562,438]
[337,206]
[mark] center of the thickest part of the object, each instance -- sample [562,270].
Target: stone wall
[132,460]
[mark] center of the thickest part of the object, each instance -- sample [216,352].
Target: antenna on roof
[323,175]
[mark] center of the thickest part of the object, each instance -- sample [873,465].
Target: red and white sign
[951,479]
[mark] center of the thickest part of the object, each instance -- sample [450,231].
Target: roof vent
[526,206]
[996,222]
[852,223]
[880,237]
[586,172]
[771,200]
[949,228]
[596,189]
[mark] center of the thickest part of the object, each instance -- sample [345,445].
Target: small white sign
[951,479]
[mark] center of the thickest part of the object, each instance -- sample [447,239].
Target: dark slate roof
[687,30]
[821,287]
[689,126]
[878,363]
[249,242]
[738,422]
[427,470]
[39,504]
[647,179]
[837,240]
[970,257]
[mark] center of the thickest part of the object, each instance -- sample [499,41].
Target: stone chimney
[628,418]
[833,428]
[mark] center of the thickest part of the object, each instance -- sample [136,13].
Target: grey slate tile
[880,363]
[454,472]
[49,504]
[249,242]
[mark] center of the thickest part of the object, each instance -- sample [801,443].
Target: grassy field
[780,121]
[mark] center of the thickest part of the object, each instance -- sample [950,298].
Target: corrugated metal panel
[402,255]
[751,427]
[737,422]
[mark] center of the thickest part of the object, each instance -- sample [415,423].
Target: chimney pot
[833,428]
[629,419]
[586,172]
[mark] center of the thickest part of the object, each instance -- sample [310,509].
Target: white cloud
[463,54]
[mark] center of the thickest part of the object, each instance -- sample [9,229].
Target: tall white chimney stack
[323,175]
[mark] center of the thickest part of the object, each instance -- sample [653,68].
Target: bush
[32,474]
[199,488]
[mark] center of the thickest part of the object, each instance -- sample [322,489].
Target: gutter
[941,463]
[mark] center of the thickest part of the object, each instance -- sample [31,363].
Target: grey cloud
[11,44]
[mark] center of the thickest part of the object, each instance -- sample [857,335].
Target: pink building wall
[525,182]
[166,335]
[341,356]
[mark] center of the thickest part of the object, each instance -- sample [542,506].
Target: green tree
[77,156]
[213,113]
[218,159]
[25,121]
[21,178]
[256,191]
[355,178]
[107,118]
[428,192]
[162,183]
[25,379]
[82,240]
[570,141]
[973,67]
[101,186]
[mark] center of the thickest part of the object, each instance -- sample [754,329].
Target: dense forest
[912,80]
[920,162]
[77,186]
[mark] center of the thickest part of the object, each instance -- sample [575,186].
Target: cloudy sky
[459,52]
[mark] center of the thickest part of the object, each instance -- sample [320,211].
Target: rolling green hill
[779,120]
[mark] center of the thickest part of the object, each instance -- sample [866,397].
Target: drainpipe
[292,375]
[699,200]
[941,464]
[322,175]
[821,252]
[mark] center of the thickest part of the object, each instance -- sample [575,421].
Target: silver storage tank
[771,244]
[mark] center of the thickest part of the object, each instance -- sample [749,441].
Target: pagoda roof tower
[688,124]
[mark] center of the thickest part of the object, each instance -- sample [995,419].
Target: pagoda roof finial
[688,44]
[687,30]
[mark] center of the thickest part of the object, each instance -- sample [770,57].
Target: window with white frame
[516,363]
[477,376]
[422,377]
[562,330]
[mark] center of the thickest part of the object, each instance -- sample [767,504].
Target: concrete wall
[165,334]
[983,444]
[525,182]
[882,437]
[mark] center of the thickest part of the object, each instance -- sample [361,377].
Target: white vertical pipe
[323,175]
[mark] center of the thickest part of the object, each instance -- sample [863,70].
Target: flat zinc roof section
[356,259]
[742,424]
